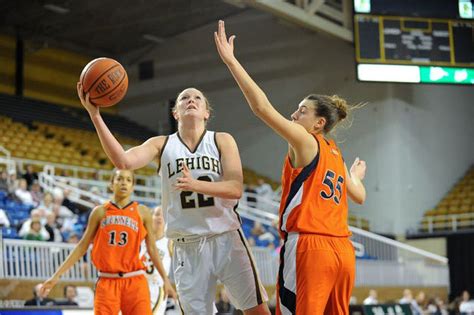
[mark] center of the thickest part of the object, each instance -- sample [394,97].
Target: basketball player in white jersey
[202,182]
[155,282]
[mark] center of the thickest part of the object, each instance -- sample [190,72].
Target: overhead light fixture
[153,38]
[56,8]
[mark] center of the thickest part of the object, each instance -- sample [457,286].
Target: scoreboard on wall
[395,41]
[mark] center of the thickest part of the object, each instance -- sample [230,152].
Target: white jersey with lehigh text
[189,213]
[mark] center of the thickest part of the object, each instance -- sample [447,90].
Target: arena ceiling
[110,27]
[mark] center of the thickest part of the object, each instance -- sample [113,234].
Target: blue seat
[24,208]
[78,228]
[3,195]
[13,205]
[21,215]
[82,219]
[9,233]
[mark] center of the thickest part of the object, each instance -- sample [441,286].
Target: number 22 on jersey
[190,202]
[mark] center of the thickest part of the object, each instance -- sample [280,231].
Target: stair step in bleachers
[457,205]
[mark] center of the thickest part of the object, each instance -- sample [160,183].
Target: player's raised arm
[133,158]
[79,251]
[295,134]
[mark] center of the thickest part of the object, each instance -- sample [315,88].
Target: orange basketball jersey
[116,246]
[314,198]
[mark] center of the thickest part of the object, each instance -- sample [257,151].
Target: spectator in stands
[372,298]
[70,295]
[30,175]
[223,305]
[353,300]
[443,308]
[64,216]
[263,189]
[35,215]
[421,300]
[4,180]
[53,228]
[73,238]
[436,306]
[13,182]
[23,194]
[34,234]
[58,198]
[68,203]
[36,193]
[47,203]
[4,222]
[467,305]
[408,299]
[39,299]
[257,229]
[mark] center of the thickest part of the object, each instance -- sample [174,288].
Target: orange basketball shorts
[129,295]
[316,275]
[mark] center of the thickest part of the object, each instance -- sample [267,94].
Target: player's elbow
[237,191]
[122,164]
[237,194]
[359,198]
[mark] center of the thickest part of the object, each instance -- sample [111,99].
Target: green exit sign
[414,74]
[446,75]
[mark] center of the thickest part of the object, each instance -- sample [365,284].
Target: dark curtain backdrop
[461,263]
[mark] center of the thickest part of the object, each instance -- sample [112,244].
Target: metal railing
[448,222]
[265,203]
[258,207]
[35,260]
[376,247]
[81,189]
[101,174]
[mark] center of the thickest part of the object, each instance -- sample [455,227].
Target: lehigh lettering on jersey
[194,163]
[120,220]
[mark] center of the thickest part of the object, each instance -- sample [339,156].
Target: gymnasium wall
[416,139]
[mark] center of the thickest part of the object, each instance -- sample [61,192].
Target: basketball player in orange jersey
[117,230]
[201,182]
[317,261]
